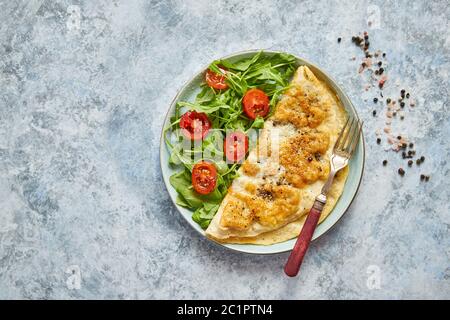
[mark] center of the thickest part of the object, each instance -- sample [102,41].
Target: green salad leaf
[268,72]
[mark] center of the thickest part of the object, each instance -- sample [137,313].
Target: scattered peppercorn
[376,72]
[374,113]
[411,145]
[384,162]
[407,95]
[401,171]
[381,70]
[384,54]
[375,100]
[380,63]
[422,159]
[388,100]
[422,177]
[418,162]
[410,163]
[402,117]
[404,145]
[402,104]
[404,155]
[339,40]
[402,93]
[399,137]
[410,153]
[378,140]
[427,178]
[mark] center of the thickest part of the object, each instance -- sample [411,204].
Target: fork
[342,151]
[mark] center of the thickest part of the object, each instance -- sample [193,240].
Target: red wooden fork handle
[301,246]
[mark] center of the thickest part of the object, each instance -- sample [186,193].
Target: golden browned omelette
[279,180]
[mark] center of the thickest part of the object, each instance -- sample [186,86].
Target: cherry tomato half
[256,103]
[204,177]
[195,125]
[216,80]
[235,146]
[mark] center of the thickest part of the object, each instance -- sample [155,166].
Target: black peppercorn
[374,113]
[401,171]
[402,93]
[388,100]
[404,155]
[422,177]
[380,63]
[422,159]
[384,162]
[384,54]
[411,145]
[399,137]
[378,140]
[418,162]
[407,95]
[427,178]
[381,70]
[410,163]
[402,104]
[375,100]
[339,40]
[402,117]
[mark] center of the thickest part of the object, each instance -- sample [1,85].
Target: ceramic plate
[188,93]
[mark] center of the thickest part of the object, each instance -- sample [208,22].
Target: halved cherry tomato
[256,103]
[195,125]
[204,177]
[216,80]
[235,146]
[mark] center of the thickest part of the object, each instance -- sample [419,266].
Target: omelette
[277,184]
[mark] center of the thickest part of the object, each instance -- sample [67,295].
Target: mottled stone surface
[83,93]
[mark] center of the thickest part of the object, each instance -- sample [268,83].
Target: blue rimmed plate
[356,164]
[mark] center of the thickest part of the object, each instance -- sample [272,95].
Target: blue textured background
[81,107]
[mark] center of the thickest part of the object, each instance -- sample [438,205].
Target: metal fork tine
[346,135]
[352,135]
[356,138]
[338,141]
